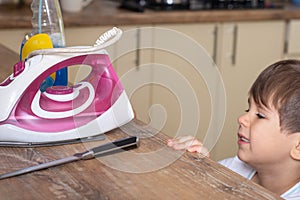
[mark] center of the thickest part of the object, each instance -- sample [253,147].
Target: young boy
[268,133]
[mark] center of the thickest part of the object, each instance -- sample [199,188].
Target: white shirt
[238,166]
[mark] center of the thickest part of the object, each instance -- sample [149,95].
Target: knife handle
[122,144]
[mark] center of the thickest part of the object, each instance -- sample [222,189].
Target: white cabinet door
[292,39]
[180,97]
[131,60]
[245,49]
[12,38]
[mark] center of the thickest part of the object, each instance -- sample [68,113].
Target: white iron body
[91,107]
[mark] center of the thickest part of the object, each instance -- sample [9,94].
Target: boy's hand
[188,143]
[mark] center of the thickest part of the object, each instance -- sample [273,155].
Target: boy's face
[261,141]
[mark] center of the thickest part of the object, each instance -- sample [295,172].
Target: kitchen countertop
[106,12]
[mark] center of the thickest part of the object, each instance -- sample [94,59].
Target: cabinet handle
[286,39]
[234,47]
[138,45]
[215,45]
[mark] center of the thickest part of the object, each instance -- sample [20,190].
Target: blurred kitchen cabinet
[292,44]
[83,36]
[12,38]
[131,59]
[180,97]
[244,50]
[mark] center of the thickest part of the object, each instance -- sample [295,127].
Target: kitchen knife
[113,147]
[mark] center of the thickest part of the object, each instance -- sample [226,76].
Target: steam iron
[63,114]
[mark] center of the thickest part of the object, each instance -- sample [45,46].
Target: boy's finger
[186,144]
[199,149]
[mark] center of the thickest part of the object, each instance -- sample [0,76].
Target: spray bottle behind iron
[47,18]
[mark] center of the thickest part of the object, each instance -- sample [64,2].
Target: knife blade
[112,147]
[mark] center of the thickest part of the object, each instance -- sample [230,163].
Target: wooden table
[152,171]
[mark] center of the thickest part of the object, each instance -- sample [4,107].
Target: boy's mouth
[243,139]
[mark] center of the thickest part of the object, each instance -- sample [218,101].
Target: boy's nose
[244,120]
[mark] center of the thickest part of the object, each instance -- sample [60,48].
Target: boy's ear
[295,151]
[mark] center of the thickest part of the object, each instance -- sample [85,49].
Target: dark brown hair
[279,85]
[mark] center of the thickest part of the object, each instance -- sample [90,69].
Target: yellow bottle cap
[36,42]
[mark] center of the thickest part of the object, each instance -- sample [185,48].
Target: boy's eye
[260,116]
[247,110]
